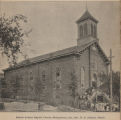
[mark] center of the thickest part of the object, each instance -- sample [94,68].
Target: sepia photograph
[60,56]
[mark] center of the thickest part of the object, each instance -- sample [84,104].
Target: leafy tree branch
[11,36]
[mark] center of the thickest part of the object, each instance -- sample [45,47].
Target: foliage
[115,83]
[105,80]
[103,77]
[89,91]
[11,36]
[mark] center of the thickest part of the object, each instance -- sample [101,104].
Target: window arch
[85,29]
[82,77]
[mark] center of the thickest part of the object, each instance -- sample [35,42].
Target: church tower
[87,29]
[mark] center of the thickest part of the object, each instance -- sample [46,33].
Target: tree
[115,84]
[11,36]
[105,80]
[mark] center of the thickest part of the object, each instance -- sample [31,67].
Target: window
[85,29]
[58,85]
[94,80]
[96,66]
[91,29]
[54,84]
[31,75]
[31,88]
[58,74]
[95,76]
[43,76]
[44,87]
[57,97]
[17,82]
[82,76]
[95,31]
[101,78]
[81,31]
[57,82]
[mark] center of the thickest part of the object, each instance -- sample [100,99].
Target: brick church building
[48,77]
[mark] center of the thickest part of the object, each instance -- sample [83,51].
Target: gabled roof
[61,53]
[86,16]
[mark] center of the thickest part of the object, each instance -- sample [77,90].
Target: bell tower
[87,29]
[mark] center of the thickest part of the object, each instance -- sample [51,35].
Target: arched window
[81,31]
[58,74]
[95,31]
[43,76]
[94,80]
[92,30]
[57,81]
[44,86]
[31,75]
[85,29]
[82,77]
[96,65]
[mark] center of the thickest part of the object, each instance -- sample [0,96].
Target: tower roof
[86,16]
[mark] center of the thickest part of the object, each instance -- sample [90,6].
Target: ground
[33,107]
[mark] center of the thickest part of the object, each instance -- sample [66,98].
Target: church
[48,77]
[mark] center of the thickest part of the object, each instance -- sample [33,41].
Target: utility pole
[1,77]
[111,92]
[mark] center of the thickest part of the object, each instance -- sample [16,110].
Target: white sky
[54,28]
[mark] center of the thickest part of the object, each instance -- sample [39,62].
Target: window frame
[82,74]
[57,80]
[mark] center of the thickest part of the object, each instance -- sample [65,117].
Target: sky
[54,26]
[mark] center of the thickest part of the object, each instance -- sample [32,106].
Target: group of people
[102,107]
[83,103]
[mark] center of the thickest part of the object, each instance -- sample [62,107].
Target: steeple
[87,28]
[86,16]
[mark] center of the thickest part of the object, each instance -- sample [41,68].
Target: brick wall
[37,82]
[97,63]
[89,60]
[82,61]
[31,81]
